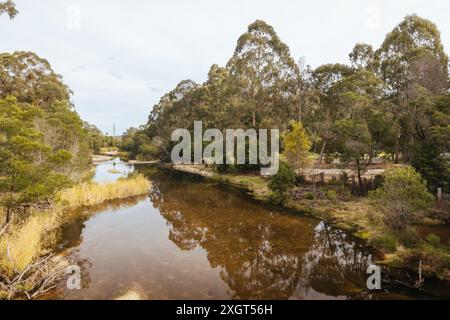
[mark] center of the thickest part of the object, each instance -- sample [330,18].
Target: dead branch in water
[38,278]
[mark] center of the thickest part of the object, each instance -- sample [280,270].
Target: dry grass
[89,194]
[26,242]
[24,245]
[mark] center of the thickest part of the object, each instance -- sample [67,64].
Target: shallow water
[190,239]
[110,171]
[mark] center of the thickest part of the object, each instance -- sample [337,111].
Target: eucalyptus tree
[8,7]
[414,65]
[363,57]
[267,72]
[32,81]
[30,169]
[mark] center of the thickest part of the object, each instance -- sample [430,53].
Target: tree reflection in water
[261,253]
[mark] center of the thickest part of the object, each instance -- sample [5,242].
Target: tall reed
[89,194]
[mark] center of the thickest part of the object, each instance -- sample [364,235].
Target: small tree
[281,183]
[297,145]
[29,169]
[403,195]
[354,143]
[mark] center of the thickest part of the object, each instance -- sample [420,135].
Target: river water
[191,239]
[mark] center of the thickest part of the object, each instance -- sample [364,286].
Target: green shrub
[434,240]
[331,195]
[309,196]
[386,243]
[281,183]
[402,197]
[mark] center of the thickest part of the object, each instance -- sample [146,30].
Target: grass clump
[25,242]
[89,194]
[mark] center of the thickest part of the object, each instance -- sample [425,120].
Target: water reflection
[193,240]
[262,253]
[110,171]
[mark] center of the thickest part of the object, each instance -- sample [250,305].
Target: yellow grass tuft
[25,242]
[89,194]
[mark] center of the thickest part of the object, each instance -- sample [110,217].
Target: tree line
[392,101]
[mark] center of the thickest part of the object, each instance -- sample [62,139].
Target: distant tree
[413,64]
[297,145]
[429,162]
[263,63]
[8,7]
[30,170]
[402,197]
[354,143]
[363,57]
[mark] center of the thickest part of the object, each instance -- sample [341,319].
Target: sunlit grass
[25,242]
[89,194]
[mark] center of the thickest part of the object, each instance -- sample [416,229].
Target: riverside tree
[30,170]
[32,81]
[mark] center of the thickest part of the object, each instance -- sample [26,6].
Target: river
[192,239]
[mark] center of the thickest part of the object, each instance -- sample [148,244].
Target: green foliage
[434,240]
[97,140]
[32,81]
[281,183]
[427,160]
[331,195]
[402,197]
[386,243]
[30,170]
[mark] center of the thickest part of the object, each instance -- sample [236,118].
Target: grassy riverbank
[355,216]
[27,266]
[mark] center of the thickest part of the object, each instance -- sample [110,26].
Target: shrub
[331,195]
[401,198]
[309,196]
[281,183]
[434,240]
[385,243]
[344,194]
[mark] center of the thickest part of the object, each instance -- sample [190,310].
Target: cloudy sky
[119,57]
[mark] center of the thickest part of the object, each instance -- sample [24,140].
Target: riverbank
[28,265]
[355,216]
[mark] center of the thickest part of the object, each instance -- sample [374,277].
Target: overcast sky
[119,57]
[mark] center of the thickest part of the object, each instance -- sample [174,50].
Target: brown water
[193,240]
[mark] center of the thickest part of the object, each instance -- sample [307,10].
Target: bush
[434,240]
[281,183]
[331,195]
[344,194]
[386,243]
[402,197]
[309,196]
